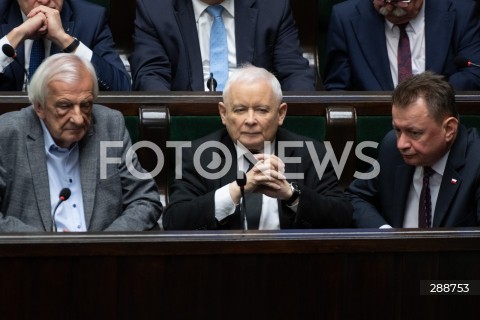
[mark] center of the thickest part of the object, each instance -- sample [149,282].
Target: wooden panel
[312,274]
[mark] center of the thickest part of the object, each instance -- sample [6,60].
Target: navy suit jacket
[83,20]
[382,200]
[357,58]
[167,51]
[192,200]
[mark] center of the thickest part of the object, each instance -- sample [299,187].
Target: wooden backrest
[337,118]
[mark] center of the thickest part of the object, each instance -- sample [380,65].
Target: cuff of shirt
[4,60]
[84,52]
[224,205]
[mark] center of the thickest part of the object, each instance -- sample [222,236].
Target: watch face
[295,187]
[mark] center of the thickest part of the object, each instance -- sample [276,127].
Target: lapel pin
[453,181]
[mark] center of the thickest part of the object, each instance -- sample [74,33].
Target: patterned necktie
[218,47]
[425,204]
[36,56]
[253,204]
[404,55]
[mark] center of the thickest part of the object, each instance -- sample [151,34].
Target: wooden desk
[312,274]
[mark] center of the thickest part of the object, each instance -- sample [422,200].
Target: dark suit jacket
[85,21]
[167,52]
[382,200]
[119,202]
[192,204]
[357,57]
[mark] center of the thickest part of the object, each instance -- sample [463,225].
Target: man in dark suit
[289,180]
[76,27]
[429,164]
[172,49]
[363,39]
[65,141]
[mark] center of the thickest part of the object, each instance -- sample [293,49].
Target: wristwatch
[295,193]
[72,46]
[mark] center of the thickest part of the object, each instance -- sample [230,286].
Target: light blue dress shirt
[64,172]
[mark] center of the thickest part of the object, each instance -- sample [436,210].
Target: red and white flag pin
[453,181]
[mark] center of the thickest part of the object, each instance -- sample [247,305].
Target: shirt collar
[50,144]
[200,6]
[417,24]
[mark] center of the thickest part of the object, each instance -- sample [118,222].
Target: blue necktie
[218,47]
[36,56]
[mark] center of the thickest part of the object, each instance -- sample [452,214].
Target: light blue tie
[218,47]
[36,56]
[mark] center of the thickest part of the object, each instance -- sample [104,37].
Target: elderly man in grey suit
[64,141]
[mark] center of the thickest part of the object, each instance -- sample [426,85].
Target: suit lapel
[437,21]
[88,172]
[186,24]
[231,174]
[245,22]
[38,167]
[446,194]
[371,39]
[448,189]
[401,188]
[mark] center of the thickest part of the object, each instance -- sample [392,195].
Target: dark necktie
[253,203]
[36,56]
[218,47]
[404,55]
[425,204]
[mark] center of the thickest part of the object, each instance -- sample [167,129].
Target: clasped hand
[45,22]
[267,177]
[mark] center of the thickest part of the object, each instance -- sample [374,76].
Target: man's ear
[450,126]
[39,110]
[282,112]
[222,110]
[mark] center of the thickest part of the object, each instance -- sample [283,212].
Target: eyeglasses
[395,1]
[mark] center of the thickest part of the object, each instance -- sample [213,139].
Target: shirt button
[74,205]
[70,180]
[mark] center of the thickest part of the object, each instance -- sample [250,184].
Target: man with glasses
[374,47]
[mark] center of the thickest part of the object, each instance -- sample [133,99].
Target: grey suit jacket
[119,202]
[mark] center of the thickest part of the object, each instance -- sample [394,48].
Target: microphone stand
[241,182]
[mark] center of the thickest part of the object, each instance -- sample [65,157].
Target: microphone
[241,182]
[63,196]
[212,83]
[462,62]
[10,52]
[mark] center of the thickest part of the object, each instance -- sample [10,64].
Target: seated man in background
[36,29]
[56,144]
[208,194]
[374,46]
[429,164]
[179,43]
